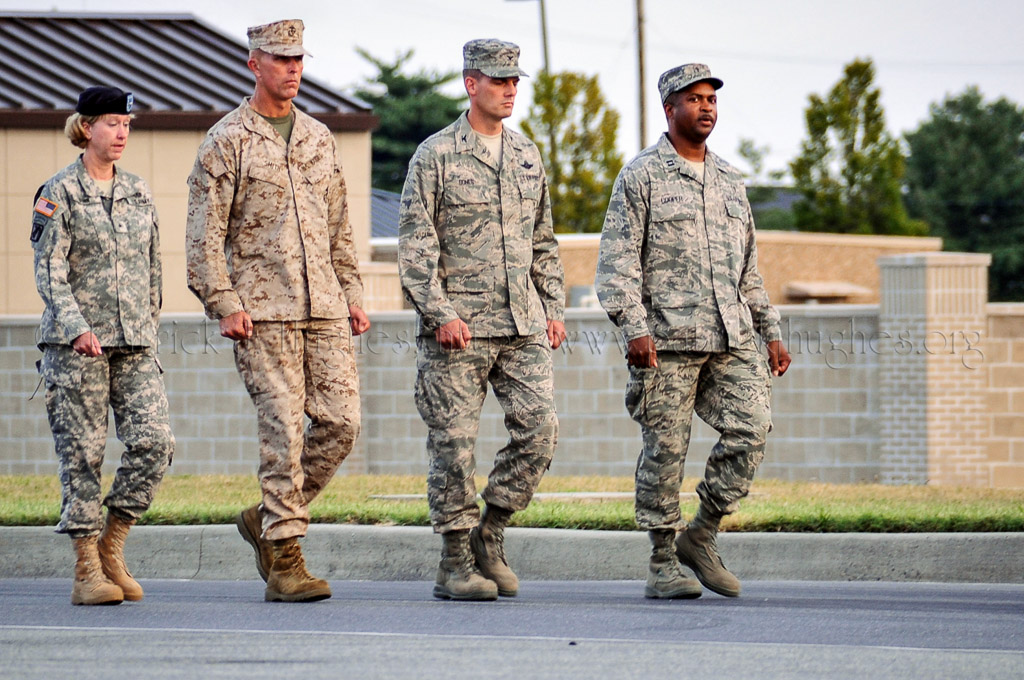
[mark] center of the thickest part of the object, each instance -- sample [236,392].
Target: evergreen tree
[411,107]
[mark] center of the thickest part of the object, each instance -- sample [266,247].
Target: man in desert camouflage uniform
[677,273]
[479,262]
[97,268]
[268,185]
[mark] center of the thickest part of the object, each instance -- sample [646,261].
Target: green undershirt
[283,125]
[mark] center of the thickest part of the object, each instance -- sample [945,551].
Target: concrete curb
[351,552]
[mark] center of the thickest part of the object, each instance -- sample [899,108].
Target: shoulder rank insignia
[527,165]
[46,207]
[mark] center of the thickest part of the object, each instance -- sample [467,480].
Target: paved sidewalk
[353,552]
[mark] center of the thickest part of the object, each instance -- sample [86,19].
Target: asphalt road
[554,629]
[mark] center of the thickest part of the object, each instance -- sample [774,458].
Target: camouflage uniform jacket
[268,230]
[475,241]
[96,271]
[678,259]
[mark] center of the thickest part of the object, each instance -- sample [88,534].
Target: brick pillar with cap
[932,378]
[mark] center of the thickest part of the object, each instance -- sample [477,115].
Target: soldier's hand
[87,344]
[358,320]
[556,333]
[641,353]
[453,335]
[237,326]
[778,357]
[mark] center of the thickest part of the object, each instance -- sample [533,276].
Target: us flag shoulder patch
[46,207]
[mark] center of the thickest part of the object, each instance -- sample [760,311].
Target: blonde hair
[74,128]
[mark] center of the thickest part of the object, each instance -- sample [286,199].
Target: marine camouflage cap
[283,38]
[681,77]
[494,58]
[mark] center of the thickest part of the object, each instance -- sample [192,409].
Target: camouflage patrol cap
[494,58]
[282,38]
[681,77]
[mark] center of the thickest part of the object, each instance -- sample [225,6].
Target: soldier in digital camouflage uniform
[677,273]
[268,187]
[97,268]
[479,262]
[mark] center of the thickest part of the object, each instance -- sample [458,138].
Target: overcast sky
[771,53]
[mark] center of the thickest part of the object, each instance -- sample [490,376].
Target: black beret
[96,101]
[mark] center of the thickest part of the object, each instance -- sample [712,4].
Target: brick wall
[824,423]
[1004,368]
[844,413]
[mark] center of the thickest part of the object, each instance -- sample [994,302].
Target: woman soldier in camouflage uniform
[97,268]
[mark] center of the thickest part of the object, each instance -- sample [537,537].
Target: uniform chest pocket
[672,220]
[133,215]
[466,222]
[464,192]
[734,208]
[270,174]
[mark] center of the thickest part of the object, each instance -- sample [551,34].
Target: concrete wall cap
[936,259]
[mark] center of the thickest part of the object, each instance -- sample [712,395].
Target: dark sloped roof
[183,73]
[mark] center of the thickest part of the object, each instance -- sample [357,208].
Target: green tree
[411,107]
[850,170]
[965,176]
[575,130]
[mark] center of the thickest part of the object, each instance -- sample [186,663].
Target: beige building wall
[783,257]
[164,159]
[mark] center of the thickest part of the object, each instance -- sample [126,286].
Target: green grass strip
[772,505]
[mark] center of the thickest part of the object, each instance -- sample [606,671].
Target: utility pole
[640,68]
[554,173]
[543,34]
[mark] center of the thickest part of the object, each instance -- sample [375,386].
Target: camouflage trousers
[731,392]
[79,393]
[450,389]
[295,369]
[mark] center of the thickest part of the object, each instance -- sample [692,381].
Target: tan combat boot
[91,586]
[250,525]
[111,551]
[697,548]
[457,576]
[288,580]
[665,578]
[488,544]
